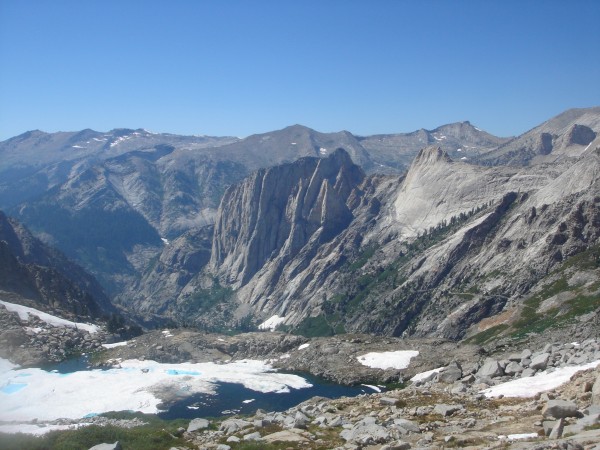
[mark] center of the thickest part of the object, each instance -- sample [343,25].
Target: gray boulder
[450,373]
[560,409]
[365,432]
[540,361]
[490,369]
[198,424]
[231,426]
[446,410]
[513,368]
[253,436]
[396,445]
[407,425]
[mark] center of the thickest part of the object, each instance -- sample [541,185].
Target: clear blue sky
[242,67]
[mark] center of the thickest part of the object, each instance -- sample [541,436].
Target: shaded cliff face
[276,212]
[44,276]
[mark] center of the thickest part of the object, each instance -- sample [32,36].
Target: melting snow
[136,385]
[167,333]
[529,386]
[388,360]
[116,344]
[271,323]
[425,375]
[516,437]
[24,312]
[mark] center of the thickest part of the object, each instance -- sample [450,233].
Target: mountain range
[449,232]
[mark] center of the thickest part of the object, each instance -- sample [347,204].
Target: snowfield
[388,360]
[27,394]
[24,312]
[529,386]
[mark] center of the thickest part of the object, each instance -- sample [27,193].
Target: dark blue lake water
[233,398]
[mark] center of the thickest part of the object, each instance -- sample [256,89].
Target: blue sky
[244,67]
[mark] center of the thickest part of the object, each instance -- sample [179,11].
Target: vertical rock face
[275,212]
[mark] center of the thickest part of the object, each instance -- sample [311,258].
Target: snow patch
[303,346]
[519,436]
[25,311]
[545,381]
[424,375]
[271,323]
[167,333]
[323,151]
[370,386]
[388,360]
[77,146]
[116,344]
[165,241]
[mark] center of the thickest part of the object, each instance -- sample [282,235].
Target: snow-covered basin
[544,381]
[27,394]
[399,359]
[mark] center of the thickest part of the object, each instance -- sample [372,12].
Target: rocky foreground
[445,409]
[467,403]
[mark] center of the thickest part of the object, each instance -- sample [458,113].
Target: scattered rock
[447,410]
[560,409]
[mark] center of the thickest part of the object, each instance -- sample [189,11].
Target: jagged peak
[431,155]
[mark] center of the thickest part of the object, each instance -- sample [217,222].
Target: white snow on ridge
[529,386]
[388,360]
[303,346]
[271,323]
[25,311]
[26,394]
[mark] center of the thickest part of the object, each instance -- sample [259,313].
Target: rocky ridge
[430,254]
